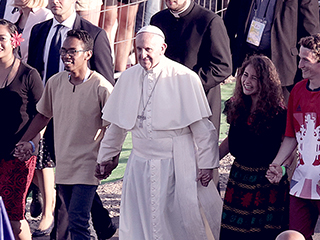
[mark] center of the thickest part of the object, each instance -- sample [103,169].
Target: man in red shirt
[303,132]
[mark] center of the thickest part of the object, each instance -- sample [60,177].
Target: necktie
[3,4]
[54,56]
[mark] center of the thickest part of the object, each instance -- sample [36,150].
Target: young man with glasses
[45,41]
[74,98]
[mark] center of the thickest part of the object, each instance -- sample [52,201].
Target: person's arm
[101,61]
[34,88]
[231,18]
[25,150]
[308,18]
[37,124]
[274,173]
[215,63]
[109,151]
[224,148]
[206,138]
[24,146]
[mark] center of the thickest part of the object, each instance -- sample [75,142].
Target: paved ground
[316,236]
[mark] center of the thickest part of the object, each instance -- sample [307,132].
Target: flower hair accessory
[16,39]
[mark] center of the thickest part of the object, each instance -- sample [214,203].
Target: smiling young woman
[20,90]
[253,207]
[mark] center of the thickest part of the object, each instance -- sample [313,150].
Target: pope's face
[150,49]
[176,5]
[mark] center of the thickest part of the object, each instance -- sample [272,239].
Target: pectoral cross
[141,118]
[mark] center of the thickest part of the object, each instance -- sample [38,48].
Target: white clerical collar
[66,23]
[177,14]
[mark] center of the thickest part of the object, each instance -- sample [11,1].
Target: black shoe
[36,205]
[46,232]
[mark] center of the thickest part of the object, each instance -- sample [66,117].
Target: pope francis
[167,190]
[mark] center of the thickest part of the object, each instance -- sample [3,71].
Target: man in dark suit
[284,21]
[39,51]
[64,11]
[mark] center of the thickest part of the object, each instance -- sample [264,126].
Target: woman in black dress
[253,207]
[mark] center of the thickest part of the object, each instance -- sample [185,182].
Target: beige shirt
[78,127]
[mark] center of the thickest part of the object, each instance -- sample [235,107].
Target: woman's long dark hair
[270,96]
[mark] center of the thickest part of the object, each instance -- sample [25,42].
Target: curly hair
[312,43]
[270,97]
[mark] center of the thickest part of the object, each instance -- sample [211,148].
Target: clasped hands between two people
[274,173]
[104,169]
[24,150]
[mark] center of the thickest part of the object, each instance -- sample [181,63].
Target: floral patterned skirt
[15,179]
[253,207]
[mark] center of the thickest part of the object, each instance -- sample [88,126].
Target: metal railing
[143,16]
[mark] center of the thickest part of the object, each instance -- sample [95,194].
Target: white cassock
[160,196]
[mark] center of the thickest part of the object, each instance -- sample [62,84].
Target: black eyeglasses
[71,52]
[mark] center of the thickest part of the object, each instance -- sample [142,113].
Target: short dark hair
[11,27]
[313,43]
[83,36]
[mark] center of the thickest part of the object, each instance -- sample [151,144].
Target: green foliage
[119,171]
[226,93]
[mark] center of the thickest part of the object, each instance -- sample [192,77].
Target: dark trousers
[100,218]
[303,215]
[78,200]
[73,210]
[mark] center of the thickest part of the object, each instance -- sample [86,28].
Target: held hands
[274,173]
[23,151]
[205,176]
[104,169]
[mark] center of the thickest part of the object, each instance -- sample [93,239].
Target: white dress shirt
[67,25]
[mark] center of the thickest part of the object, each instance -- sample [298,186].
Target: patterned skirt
[46,156]
[253,207]
[15,179]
